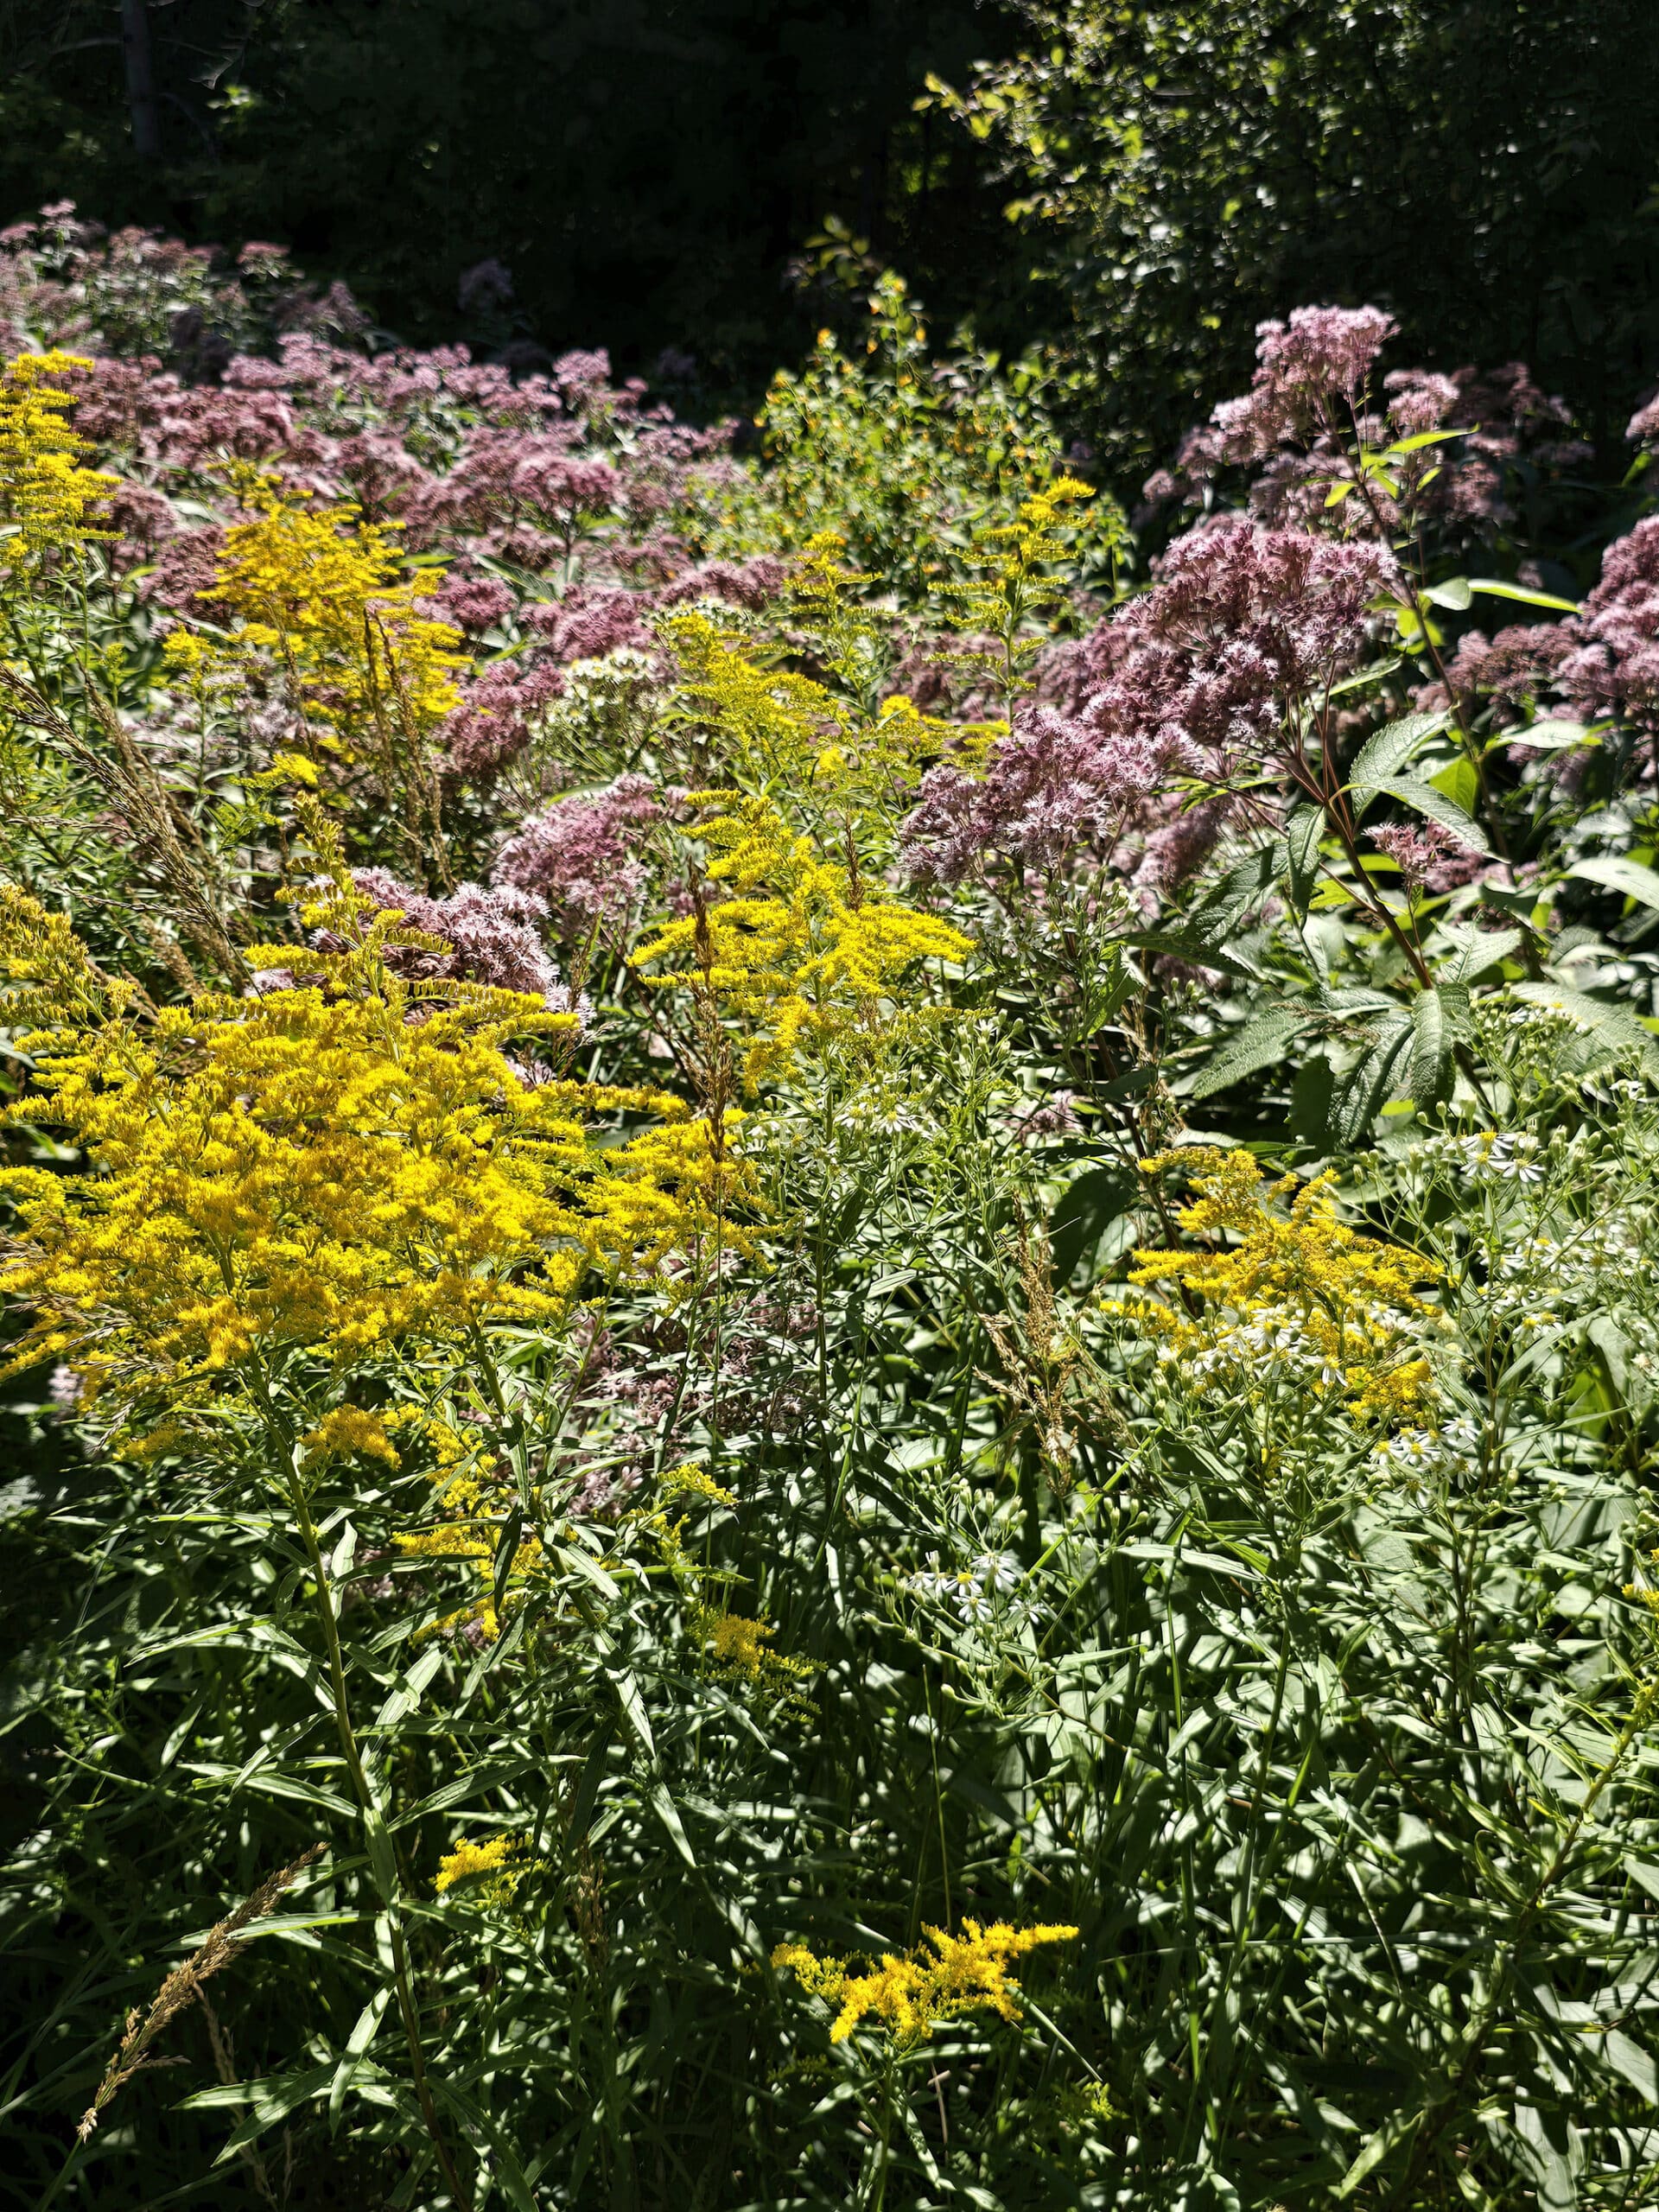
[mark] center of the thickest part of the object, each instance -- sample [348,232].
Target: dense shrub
[836,1327]
[1481,170]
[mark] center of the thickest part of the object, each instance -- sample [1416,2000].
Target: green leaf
[357,2043]
[1476,950]
[1190,948]
[633,1710]
[489,1774]
[272,2098]
[1391,746]
[1422,438]
[1081,1217]
[1614,1026]
[668,1813]
[1437,1019]
[1302,854]
[381,1857]
[1256,1045]
[504,2165]
[407,1696]
[1460,783]
[1455,593]
[1371,1083]
[1618,874]
[1636,2065]
[1434,806]
[1495,589]
[265,1783]
[1389,2138]
[1555,735]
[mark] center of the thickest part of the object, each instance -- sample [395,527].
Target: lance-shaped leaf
[1617,873]
[1433,805]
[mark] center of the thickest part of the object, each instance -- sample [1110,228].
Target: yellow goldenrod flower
[906,1997]
[349,1432]
[322,589]
[738,1649]
[792,949]
[44,491]
[1294,1293]
[312,1168]
[699,1482]
[489,1866]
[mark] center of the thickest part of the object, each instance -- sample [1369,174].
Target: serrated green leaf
[1431,1051]
[1362,1097]
[1302,836]
[1389,748]
[1474,950]
[1256,1045]
[1433,806]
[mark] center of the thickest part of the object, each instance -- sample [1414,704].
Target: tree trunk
[141,81]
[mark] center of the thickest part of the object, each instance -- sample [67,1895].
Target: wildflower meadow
[832,1283]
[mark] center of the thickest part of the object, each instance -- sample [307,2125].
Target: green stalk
[372,1821]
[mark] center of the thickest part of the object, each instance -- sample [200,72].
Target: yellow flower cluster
[1645,1593]
[783,731]
[907,1998]
[1017,583]
[795,949]
[349,1432]
[44,491]
[322,591]
[488,1865]
[474,1540]
[335,1166]
[739,1649]
[1295,1293]
[697,1482]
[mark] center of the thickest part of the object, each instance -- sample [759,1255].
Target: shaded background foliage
[647,169]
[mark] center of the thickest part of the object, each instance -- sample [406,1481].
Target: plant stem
[371,1816]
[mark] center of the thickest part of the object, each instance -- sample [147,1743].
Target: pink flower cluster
[1603,660]
[1244,626]
[1313,395]
[579,860]
[493,936]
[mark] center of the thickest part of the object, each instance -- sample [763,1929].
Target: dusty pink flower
[498,711]
[1614,667]
[1415,849]
[581,856]
[1307,369]
[491,935]
[473,603]
[1052,786]
[1242,625]
[1509,668]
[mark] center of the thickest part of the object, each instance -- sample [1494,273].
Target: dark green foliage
[1483,168]
[644,169]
